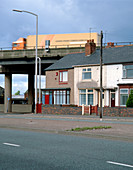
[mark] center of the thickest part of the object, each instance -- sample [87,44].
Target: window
[62,97]
[123,96]
[128,71]
[90,97]
[63,76]
[86,73]
[82,97]
[56,97]
[85,97]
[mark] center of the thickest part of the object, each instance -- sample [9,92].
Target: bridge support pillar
[8,93]
[31,90]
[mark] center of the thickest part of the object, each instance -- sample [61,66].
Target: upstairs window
[63,77]
[128,71]
[86,73]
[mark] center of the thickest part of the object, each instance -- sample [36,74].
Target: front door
[46,98]
[112,99]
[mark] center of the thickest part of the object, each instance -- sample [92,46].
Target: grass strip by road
[89,128]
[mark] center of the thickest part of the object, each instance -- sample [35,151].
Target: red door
[113,100]
[46,99]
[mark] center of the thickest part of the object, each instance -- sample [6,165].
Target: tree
[17,93]
[130,100]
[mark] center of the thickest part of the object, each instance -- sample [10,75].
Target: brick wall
[52,81]
[61,110]
[118,111]
[73,110]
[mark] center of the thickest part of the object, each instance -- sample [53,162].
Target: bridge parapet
[30,53]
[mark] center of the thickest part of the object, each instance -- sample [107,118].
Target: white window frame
[123,94]
[90,91]
[61,76]
[125,70]
[86,70]
[87,92]
[81,93]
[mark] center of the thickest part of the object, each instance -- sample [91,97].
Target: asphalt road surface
[29,150]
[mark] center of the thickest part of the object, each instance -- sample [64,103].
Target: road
[29,150]
[122,128]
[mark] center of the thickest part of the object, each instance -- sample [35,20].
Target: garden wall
[74,110]
[118,111]
[61,110]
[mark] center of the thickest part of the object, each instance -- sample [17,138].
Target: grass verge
[90,128]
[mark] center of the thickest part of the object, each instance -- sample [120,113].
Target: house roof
[115,55]
[66,62]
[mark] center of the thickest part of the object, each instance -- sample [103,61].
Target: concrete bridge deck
[30,53]
[23,62]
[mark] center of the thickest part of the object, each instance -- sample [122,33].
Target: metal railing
[66,46]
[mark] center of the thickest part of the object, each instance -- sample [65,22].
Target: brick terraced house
[75,79]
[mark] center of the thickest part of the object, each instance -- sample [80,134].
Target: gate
[89,109]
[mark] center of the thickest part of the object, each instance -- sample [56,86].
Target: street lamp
[36,53]
[39,80]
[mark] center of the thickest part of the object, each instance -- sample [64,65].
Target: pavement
[121,127]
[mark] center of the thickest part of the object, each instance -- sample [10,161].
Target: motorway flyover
[23,62]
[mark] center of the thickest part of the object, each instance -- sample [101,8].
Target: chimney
[110,44]
[90,47]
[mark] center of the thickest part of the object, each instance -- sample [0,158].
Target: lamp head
[16,10]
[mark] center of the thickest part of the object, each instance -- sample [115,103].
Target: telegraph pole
[101,88]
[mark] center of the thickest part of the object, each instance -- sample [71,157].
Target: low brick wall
[118,111]
[61,110]
[73,110]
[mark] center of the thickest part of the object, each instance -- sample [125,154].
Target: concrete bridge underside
[23,62]
[9,67]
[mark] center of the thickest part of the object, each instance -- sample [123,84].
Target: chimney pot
[90,47]
[110,44]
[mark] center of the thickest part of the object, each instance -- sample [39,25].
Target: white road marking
[120,164]
[11,144]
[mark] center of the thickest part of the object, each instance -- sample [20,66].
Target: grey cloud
[66,16]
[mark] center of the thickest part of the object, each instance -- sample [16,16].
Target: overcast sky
[66,16]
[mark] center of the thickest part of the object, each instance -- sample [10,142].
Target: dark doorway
[112,99]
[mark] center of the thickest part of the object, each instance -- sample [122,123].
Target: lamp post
[39,79]
[36,53]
